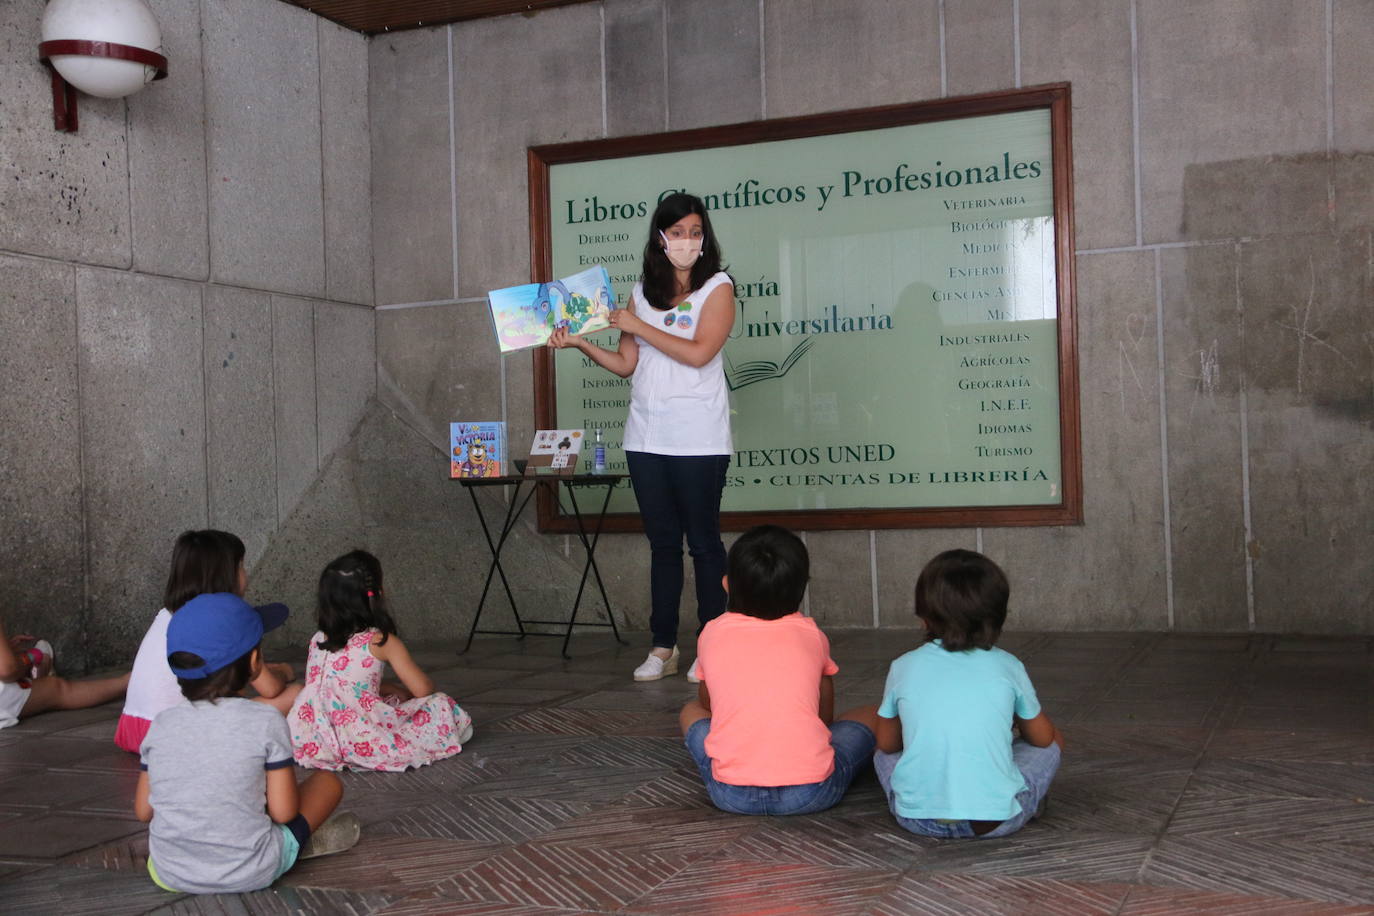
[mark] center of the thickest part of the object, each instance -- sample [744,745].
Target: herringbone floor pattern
[1203,774]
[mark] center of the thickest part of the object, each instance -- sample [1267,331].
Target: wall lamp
[105,48]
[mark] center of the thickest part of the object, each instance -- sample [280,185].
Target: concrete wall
[1222,168]
[185,305]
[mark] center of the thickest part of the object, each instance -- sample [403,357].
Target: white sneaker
[692,673]
[655,668]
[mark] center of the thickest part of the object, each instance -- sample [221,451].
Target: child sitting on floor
[761,730]
[203,562]
[28,685]
[947,758]
[210,763]
[345,715]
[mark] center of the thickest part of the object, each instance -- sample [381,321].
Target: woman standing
[677,437]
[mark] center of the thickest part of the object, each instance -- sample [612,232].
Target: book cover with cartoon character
[525,316]
[477,449]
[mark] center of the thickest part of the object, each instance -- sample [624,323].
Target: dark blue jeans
[679,495]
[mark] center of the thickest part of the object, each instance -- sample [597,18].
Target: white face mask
[683,253]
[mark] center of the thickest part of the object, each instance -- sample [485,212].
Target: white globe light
[124,22]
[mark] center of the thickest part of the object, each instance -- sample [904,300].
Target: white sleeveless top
[676,409]
[152,686]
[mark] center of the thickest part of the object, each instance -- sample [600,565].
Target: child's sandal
[339,833]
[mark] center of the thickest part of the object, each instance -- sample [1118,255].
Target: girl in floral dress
[345,716]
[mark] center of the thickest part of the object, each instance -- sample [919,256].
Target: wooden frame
[1054,98]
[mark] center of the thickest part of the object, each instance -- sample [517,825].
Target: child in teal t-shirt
[948,757]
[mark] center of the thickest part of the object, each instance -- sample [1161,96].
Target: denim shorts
[1037,765]
[853,744]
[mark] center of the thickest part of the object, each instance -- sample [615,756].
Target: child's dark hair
[962,597]
[768,568]
[226,682]
[659,278]
[203,562]
[351,600]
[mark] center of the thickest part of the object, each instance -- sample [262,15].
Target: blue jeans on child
[680,495]
[853,744]
[1037,765]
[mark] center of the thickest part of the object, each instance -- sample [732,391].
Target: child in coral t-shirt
[761,730]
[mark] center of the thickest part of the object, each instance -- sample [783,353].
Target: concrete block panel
[241,458]
[1352,176]
[293,386]
[412,193]
[326,523]
[262,100]
[167,155]
[142,442]
[1310,503]
[1088,43]
[830,56]
[1310,374]
[980,49]
[347,159]
[1256,195]
[40,455]
[554,97]
[1352,72]
[345,370]
[624,563]
[636,87]
[1228,65]
[1306,303]
[714,67]
[519,372]
[901,555]
[1108,574]
[439,364]
[66,195]
[841,589]
[1203,367]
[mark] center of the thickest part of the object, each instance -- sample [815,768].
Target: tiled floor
[1203,774]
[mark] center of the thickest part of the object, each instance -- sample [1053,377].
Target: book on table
[555,451]
[477,449]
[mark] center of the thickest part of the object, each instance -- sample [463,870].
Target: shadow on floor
[1202,774]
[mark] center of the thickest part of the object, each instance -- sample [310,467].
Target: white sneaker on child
[692,673]
[655,668]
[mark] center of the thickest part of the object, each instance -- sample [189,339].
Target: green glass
[896,337]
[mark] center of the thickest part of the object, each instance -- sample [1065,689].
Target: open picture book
[525,316]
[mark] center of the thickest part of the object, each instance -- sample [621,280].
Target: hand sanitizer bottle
[599,455]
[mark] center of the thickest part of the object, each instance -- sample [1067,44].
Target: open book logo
[761,370]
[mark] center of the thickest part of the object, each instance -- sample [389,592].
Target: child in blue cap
[211,763]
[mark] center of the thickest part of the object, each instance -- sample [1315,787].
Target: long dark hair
[203,562]
[659,276]
[351,600]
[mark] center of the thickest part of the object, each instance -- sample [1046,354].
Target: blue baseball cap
[221,628]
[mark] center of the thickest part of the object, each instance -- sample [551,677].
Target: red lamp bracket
[64,94]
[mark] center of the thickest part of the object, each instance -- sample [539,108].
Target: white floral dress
[340,719]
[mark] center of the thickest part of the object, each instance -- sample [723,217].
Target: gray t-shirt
[206,766]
